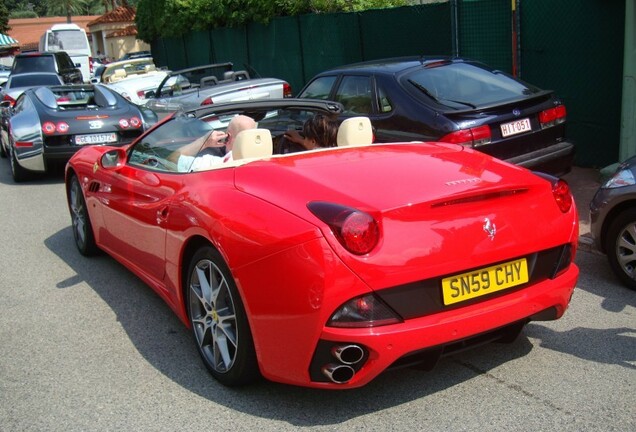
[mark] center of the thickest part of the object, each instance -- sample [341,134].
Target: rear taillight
[552,116]
[207,101]
[9,99]
[49,128]
[560,191]
[287,90]
[90,64]
[356,230]
[141,94]
[562,195]
[365,311]
[473,137]
[133,122]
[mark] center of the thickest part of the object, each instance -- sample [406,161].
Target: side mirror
[150,94]
[113,159]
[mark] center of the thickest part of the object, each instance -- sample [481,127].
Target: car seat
[118,75]
[252,143]
[355,131]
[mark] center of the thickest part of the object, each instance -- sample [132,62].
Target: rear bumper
[556,159]
[396,344]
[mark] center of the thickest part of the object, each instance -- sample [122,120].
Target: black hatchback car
[58,62]
[453,100]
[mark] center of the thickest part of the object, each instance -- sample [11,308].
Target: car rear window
[33,64]
[33,80]
[466,84]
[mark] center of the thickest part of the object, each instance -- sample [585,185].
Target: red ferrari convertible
[325,268]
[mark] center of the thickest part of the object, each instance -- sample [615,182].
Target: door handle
[162,215]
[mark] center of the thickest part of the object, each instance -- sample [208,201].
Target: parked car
[48,125]
[613,221]
[71,39]
[211,84]
[347,260]
[136,54]
[132,79]
[453,100]
[57,62]
[5,71]
[19,83]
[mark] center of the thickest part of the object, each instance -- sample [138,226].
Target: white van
[72,39]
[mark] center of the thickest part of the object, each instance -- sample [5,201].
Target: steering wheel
[286,146]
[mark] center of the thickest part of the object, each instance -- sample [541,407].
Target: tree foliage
[4,19]
[170,18]
[26,8]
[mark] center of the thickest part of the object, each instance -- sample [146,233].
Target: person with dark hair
[318,131]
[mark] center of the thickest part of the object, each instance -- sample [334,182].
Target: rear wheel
[3,150]
[18,173]
[82,229]
[218,319]
[620,245]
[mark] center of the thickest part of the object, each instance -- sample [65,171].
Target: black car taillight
[473,137]
[552,116]
[49,128]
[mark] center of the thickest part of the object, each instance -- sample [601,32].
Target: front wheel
[82,229]
[620,245]
[219,322]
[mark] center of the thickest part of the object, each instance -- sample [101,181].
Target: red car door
[135,216]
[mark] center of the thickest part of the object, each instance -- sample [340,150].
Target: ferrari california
[47,125]
[324,268]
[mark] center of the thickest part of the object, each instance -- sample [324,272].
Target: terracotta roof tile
[119,14]
[128,31]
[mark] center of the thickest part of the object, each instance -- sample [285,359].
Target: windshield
[33,80]
[464,85]
[67,40]
[160,149]
[118,71]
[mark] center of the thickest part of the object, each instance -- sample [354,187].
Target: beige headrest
[355,131]
[252,143]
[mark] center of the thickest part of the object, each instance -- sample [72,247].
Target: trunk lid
[433,204]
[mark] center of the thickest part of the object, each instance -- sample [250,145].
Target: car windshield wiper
[424,90]
[468,104]
[427,92]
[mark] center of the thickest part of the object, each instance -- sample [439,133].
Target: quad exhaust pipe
[347,356]
[338,373]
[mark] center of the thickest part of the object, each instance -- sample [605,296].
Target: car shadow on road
[53,176]
[597,278]
[610,346]
[167,345]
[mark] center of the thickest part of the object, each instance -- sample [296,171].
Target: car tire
[18,173]
[80,220]
[218,320]
[620,245]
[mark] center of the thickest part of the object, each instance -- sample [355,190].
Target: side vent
[93,187]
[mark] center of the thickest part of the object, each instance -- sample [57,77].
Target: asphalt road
[86,346]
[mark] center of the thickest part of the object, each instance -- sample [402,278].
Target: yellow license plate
[484,281]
